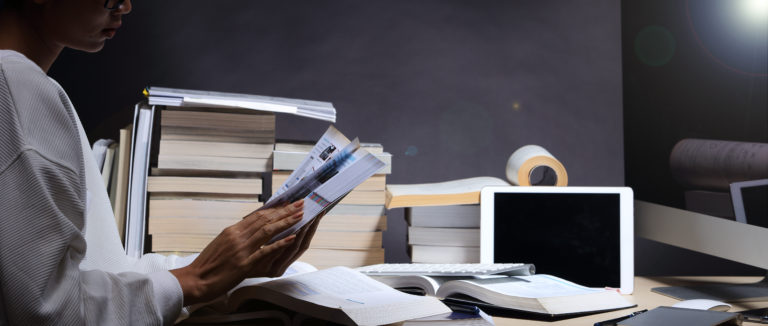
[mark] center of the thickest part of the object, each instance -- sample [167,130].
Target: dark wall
[450,88]
[692,69]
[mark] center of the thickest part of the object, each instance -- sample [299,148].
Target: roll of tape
[528,160]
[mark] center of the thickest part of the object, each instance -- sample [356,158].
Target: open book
[454,192]
[332,169]
[339,294]
[538,294]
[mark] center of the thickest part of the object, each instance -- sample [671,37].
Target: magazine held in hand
[334,166]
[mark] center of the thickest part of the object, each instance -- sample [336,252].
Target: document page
[363,299]
[534,286]
[327,147]
[332,169]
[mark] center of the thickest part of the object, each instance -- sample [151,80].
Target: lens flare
[755,11]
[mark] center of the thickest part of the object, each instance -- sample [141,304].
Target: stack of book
[205,168]
[443,218]
[351,233]
[444,234]
[209,174]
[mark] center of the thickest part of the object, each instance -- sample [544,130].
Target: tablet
[582,234]
[750,202]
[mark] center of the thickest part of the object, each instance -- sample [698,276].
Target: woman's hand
[239,251]
[280,259]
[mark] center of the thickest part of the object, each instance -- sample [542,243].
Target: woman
[52,205]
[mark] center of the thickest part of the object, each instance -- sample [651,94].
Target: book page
[534,286]
[363,299]
[327,174]
[541,293]
[331,141]
[449,187]
[295,268]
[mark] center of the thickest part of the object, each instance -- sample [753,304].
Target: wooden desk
[645,299]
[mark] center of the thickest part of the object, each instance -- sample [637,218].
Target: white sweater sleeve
[41,248]
[42,208]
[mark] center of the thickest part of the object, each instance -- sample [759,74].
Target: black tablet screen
[573,236]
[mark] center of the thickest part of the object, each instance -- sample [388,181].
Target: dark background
[452,88]
[691,69]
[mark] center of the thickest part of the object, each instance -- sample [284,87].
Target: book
[330,171]
[188,226]
[108,164]
[194,98]
[121,192]
[210,148]
[252,121]
[204,185]
[214,141]
[194,239]
[460,237]
[444,254]
[99,151]
[539,294]
[182,164]
[326,258]
[347,240]
[455,192]
[323,258]
[111,184]
[356,197]
[160,207]
[453,216]
[189,134]
[334,222]
[338,295]
[366,210]
[135,220]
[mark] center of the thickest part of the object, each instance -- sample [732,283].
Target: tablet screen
[755,202]
[570,235]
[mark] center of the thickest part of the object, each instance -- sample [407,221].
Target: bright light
[756,11]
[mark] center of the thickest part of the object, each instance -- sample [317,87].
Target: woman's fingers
[299,246]
[309,234]
[266,253]
[261,217]
[260,236]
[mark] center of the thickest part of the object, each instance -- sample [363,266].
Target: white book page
[534,286]
[359,168]
[448,187]
[365,300]
[295,268]
[345,168]
[332,137]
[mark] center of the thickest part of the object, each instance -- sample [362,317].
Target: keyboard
[447,269]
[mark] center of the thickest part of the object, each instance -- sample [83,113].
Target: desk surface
[645,299]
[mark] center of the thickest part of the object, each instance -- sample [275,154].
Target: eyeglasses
[113,4]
